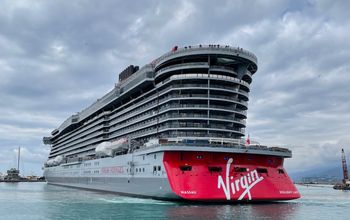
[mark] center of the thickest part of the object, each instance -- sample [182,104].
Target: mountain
[329,171]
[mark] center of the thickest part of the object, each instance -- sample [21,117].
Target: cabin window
[155,156]
[143,169]
[240,169]
[280,171]
[159,168]
[215,169]
[154,168]
[261,170]
[199,156]
[185,168]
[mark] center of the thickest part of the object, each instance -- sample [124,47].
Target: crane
[346,183]
[345,167]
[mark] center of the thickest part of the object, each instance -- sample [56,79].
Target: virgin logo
[241,185]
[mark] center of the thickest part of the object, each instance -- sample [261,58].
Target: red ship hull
[228,177]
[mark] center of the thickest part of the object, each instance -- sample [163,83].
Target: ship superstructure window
[240,169]
[280,171]
[215,169]
[159,168]
[261,170]
[185,168]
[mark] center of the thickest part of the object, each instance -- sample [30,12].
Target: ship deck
[259,150]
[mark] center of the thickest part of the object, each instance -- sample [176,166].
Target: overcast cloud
[57,57]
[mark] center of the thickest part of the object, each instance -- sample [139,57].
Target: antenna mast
[345,167]
[19,154]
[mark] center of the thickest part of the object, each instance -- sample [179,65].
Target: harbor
[13,174]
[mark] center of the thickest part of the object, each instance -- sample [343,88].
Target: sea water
[27,201]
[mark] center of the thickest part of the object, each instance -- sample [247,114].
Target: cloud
[57,58]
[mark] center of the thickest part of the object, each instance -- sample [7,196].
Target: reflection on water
[41,201]
[281,210]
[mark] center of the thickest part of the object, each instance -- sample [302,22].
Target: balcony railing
[196,64]
[233,50]
[210,76]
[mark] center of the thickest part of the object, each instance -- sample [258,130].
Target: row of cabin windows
[236,169]
[139,170]
[89,171]
[89,164]
[150,112]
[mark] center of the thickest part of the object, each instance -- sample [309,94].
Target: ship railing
[160,116]
[203,96]
[145,69]
[82,131]
[176,86]
[249,73]
[223,68]
[182,65]
[196,126]
[213,76]
[202,86]
[213,107]
[211,116]
[236,145]
[152,105]
[89,110]
[108,97]
[128,84]
[235,50]
[99,103]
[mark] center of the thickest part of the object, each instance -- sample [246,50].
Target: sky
[58,57]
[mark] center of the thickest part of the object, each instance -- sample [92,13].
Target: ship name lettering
[233,186]
[112,170]
[191,192]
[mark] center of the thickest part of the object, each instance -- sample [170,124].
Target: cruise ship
[173,129]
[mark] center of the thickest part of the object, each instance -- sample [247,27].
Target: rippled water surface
[28,201]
